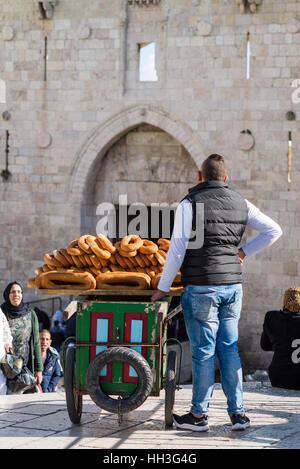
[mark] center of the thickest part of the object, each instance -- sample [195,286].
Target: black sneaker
[189,422]
[239,422]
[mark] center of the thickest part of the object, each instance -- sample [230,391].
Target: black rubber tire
[74,400]
[119,354]
[170,387]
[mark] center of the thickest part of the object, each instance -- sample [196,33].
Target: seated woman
[24,328]
[281,334]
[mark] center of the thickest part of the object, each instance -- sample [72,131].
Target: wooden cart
[119,352]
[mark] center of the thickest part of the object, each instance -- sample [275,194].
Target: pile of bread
[93,262]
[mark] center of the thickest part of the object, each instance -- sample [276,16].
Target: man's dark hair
[214,168]
[291,300]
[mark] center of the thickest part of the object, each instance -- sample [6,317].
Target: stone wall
[69,110]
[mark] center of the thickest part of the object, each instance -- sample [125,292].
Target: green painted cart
[119,353]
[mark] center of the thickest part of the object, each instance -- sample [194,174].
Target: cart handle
[173,313]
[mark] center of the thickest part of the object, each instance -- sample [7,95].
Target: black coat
[52,371]
[281,334]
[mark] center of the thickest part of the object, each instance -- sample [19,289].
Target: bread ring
[155,280]
[112,259]
[174,287]
[120,260]
[131,243]
[123,281]
[64,253]
[133,261]
[150,272]
[128,261]
[129,264]
[152,259]
[103,262]
[46,268]
[89,272]
[95,261]
[74,249]
[127,254]
[83,261]
[140,261]
[67,280]
[60,258]
[31,283]
[88,260]
[141,269]
[77,262]
[160,259]
[145,259]
[51,261]
[95,246]
[71,269]
[104,270]
[94,271]
[124,253]
[82,244]
[162,253]
[148,247]
[164,244]
[117,268]
[48,258]
[38,280]
[105,243]
[38,270]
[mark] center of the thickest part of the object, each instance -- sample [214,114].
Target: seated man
[281,334]
[52,367]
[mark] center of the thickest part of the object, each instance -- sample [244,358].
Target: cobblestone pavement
[41,421]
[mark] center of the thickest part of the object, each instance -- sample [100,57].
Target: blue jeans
[211,315]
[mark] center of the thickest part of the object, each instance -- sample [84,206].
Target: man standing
[52,367]
[57,335]
[212,279]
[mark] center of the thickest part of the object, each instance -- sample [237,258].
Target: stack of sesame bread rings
[93,262]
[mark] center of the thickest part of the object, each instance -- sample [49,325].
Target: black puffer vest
[225,219]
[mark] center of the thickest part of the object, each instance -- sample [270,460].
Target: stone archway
[105,135]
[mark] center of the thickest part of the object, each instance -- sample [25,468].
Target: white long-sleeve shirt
[269,232]
[5,335]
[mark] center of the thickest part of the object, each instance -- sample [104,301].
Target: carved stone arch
[105,135]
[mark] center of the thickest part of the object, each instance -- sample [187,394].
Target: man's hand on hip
[242,255]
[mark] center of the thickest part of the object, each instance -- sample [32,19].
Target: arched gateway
[142,152]
[105,135]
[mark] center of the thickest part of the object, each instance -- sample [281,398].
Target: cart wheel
[170,386]
[119,354]
[74,400]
